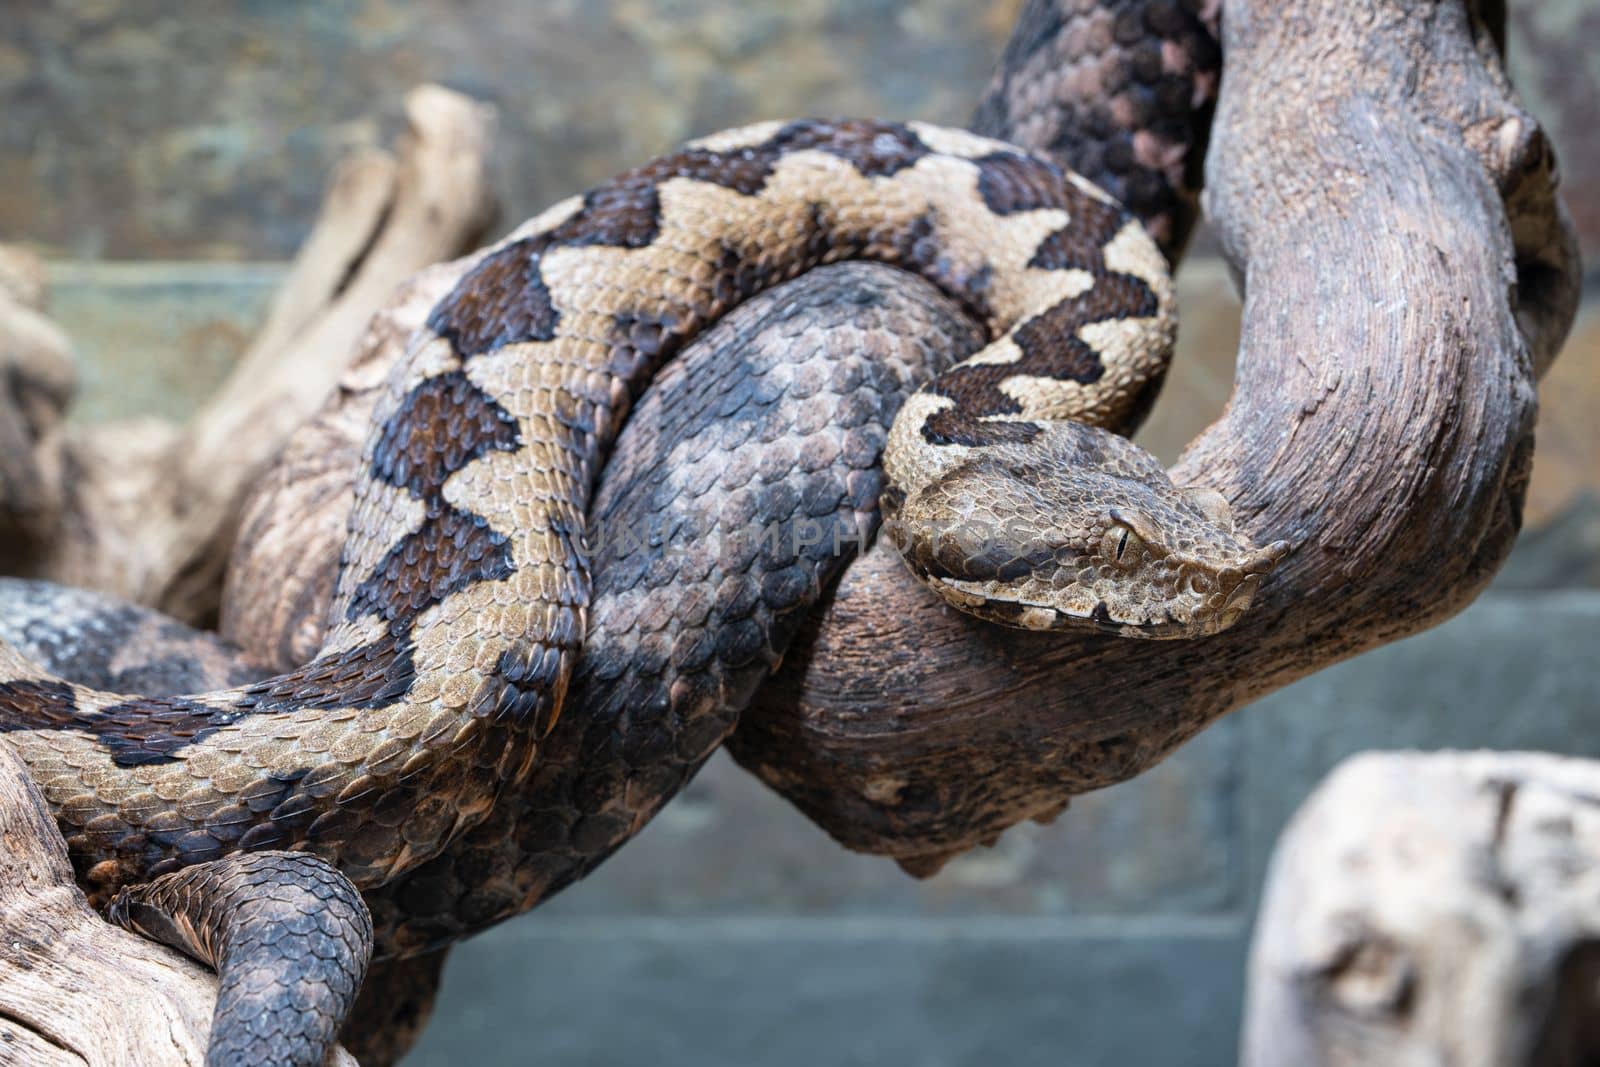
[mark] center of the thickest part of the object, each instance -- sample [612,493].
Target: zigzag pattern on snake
[463,588]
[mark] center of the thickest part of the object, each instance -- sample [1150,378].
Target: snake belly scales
[462,594]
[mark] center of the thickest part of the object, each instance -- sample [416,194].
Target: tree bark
[1389,211]
[1433,908]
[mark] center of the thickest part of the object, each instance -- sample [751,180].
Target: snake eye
[1121,545]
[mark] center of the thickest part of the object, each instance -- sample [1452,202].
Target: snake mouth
[1264,559]
[1253,568]
[1238,601]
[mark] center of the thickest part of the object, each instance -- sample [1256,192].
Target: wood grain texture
[1433,908]
[1389,211]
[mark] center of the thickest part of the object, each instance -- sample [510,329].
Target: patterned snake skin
[1120,91]
[298,926]
[462,593]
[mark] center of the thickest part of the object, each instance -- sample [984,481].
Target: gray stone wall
[144,129]
[141,143]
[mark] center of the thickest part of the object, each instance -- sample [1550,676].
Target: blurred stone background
[167,159]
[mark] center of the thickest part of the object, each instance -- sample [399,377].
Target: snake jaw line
[1078,528]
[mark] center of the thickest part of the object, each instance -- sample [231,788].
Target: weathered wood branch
[37,379]
[1433,908]
[1407,269]
[1389,209]
[147,509]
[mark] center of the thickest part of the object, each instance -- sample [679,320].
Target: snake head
[1084,532]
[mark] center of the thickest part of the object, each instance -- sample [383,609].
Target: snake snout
[1262,560]
[1239,583]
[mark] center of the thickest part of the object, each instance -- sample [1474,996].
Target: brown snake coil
[463,586]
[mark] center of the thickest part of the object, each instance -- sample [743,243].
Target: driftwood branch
[147,509]
[1389,210]
[37,380]
[1433,908]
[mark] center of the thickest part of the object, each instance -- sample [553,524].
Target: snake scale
[462,593]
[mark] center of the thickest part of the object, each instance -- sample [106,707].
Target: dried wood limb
[1389,208]
[150,508]
[37,379]
[75,990]
[1433,908]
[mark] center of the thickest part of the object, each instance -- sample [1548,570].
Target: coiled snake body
[463,590]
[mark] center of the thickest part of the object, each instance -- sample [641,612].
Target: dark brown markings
[625,212]
[1081,242]
[504,300]
[641,342]
[146,731]
[371,676]
[135,731]
[1049,343]
[441,426]
[1050,348]
[875,149]
[150,730]
[1012,182]
[157,730]
[501,301]
[450,551]
[29,705]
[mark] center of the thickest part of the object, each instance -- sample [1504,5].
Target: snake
[463,593]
